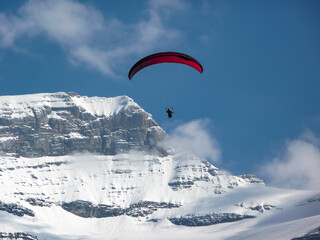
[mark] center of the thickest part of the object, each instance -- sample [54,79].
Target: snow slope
[22,105]
[125,179]
[132,195]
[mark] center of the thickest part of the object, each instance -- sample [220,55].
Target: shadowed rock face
[208,219]
[16,209]
[312,235]
[60,123]
[251,178]
[260,207]
[17,235]
[308,237]
[87,209]
[144,208]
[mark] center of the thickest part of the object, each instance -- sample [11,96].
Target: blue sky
[258,94]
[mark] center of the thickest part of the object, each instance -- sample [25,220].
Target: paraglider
[165,57]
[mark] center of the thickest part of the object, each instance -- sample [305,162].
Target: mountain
[75,167]
[60,124]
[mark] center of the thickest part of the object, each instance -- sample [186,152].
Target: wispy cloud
[194,137]
[85,34]
[297,166]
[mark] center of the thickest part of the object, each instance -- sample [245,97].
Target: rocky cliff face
[61,123]
[51,191]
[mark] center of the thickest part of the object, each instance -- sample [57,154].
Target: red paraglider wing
[165,57]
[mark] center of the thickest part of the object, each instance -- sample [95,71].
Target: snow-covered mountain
[74,167]
[60,123]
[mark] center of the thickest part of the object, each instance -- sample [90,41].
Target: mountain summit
[57,124]
[74,167]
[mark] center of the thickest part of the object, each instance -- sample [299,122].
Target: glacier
[76,167]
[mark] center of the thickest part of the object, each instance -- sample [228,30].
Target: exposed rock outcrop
[260,207]
[312,235]
[87,209]
[144,208]
[251,178]
[208,219]
[38,202]
[17,236]
[309,201]
[16,209]
[59,123]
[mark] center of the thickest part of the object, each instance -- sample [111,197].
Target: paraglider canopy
[165,57]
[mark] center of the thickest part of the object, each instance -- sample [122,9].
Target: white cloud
[298,166]
[66,22]
[194,137]
[92,57]
[84,33]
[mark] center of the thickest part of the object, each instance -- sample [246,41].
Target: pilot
[169,111]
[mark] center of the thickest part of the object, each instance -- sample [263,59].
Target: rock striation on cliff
[56,124]
[76,167]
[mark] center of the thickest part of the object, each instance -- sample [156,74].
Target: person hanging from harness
[169,111]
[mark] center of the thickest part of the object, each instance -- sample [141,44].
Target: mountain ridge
[60,123]
[110,176]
